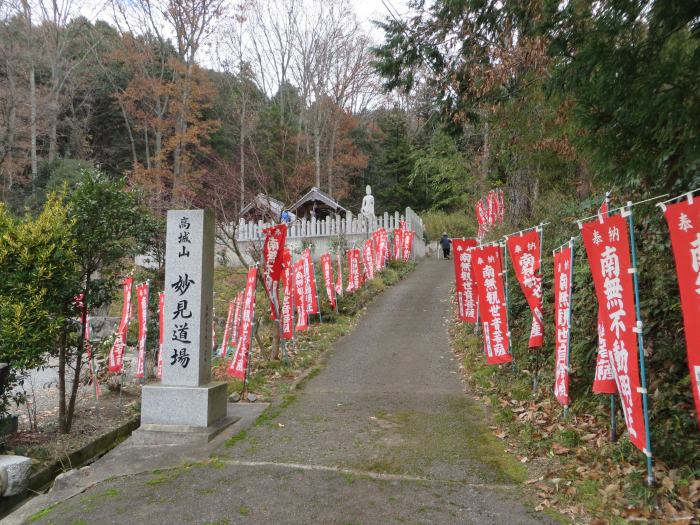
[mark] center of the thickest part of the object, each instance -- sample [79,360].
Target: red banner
[563,261]
[142,317]
[116,354]
[310,282]
[381,248]
[237,314]
[288,302]
[300,296]
[273,250]
[465,287]
[227,328]
[607,246]
[239,363]
[684,226]
[327,268]
[354,278]
[398,244]
[161,334]
[368,259]
[384,247]
[407,244]
[524,250]
[487,270]
[339,277]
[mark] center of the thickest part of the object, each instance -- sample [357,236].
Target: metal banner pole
[571,306]
[640,341]
[505,283]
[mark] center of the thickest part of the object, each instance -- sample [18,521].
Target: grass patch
[41,514]
[244,511]
[164,478]
[458,439]
[236,438]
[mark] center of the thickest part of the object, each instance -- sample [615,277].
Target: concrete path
[383,434]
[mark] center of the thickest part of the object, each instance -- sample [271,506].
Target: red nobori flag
[368,259]
[524,251]
[376,242]
[407,244]
[354,271]
[300,295]
[398,244]
[161,334]
[273,250]
[607,245]
[563,287]
[227,327]
[501,207]
[480,218]
[339,277]
[142,317]
[288,302]
[310,280]
[237,314]
[116,354]
[466,289]
[383,247]
[683,221]
[486,269]
[239,363]
[327,268]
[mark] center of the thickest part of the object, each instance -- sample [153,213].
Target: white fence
[324,235]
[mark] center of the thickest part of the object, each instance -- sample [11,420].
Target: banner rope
[627,206]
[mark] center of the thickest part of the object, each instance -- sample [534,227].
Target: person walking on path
[445,243]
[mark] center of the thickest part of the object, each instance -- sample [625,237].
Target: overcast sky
[366,10]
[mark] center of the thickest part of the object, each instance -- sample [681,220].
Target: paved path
[383,434]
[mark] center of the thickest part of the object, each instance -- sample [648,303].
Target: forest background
[208,102]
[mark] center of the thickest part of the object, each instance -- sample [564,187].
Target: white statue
[367,209]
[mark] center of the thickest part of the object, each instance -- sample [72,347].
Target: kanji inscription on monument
[186,396]
[189,263]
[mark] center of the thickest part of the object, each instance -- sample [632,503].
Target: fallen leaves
[590,480]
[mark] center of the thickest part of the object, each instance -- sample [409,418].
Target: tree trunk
[147,148]
[62,339]
[132,143]
[317,152]
[79,356]
[242,152]
[53,133]
[331,154]
[32,118]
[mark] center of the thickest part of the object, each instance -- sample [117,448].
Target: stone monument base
[182,414]
[183,406]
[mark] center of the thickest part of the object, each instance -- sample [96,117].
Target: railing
[331,226]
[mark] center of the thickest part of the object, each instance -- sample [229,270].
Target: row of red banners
[489,211]
[607,241]
[300,293]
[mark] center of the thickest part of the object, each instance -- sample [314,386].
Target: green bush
[456,224]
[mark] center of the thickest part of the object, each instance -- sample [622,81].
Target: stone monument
[187,401]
